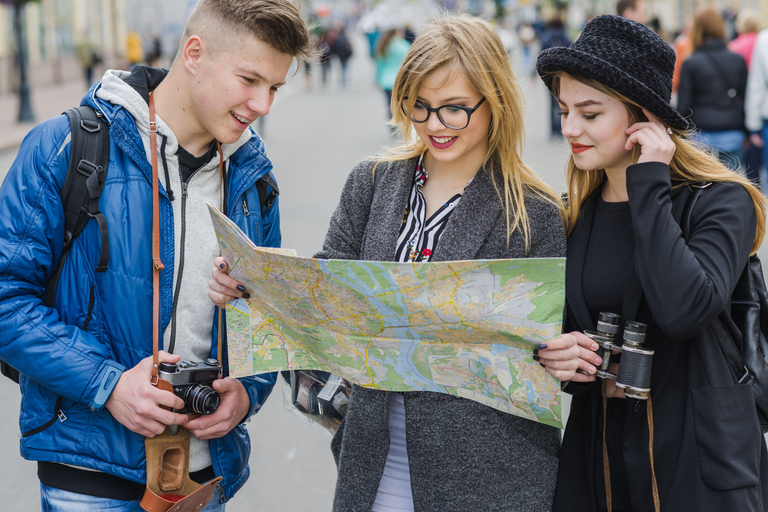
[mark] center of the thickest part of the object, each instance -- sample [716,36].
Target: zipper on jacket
[222,494]
[245,209]
[58,414]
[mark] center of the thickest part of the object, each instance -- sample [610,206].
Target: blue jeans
[728,146]
[56,500]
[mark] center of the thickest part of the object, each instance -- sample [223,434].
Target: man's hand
[234,406]
[138,405]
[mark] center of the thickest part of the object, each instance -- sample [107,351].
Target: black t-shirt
[610,251]
[188,163]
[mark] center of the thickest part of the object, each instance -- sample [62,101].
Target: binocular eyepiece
[635,370]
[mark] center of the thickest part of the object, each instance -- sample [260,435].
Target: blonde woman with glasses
[458,190]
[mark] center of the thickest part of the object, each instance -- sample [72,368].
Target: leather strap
[157,265]
[221,207]
[606,463]
[654,484]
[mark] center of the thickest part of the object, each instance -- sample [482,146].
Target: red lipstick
[579,148]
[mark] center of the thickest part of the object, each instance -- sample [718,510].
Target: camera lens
[202,399]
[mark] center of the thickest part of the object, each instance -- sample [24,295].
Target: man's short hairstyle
[275,22]
[623,5]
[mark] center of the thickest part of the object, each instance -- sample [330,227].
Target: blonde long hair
[691,164]
[470,46]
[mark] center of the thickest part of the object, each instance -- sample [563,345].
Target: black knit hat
[625,56]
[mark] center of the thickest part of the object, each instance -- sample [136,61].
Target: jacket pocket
[728,436]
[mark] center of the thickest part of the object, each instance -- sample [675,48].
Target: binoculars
[635,370]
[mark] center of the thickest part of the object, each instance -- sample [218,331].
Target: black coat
[709,453]
[705,78]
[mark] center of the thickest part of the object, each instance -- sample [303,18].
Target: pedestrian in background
[634,10]
[86,363]
[134,49]
[391,48]
[756,101]
[748,26]
[713,83]
[695,442]
[342,49]
[89,58]
[554,36]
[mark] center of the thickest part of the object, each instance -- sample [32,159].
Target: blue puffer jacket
[70,357]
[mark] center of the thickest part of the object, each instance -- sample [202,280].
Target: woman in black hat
[693,441]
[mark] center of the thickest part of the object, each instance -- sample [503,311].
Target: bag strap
[267,189]
[731,92]
[87,171]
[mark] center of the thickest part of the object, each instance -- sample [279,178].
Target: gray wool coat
[463,456]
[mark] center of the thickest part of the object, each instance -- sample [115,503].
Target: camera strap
[157,264]
[169,487]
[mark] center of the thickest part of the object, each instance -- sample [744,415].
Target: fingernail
[222,266]
[542,365]
[535,351]
[246,295]
[535,358]
[543,346]
[241,288]
[595,346]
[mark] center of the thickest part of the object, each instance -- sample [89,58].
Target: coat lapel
[471,222]
[387,210]
[578,243]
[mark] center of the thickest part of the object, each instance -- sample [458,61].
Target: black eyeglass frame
[468,110]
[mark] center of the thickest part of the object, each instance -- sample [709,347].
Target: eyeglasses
[455,117]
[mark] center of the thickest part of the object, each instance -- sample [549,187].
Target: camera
[635,369]
[318,396]
[191,382]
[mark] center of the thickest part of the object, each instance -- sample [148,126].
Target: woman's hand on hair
[563,356]
[656,144]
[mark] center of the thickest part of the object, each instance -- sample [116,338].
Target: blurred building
[54,28]
[672,15]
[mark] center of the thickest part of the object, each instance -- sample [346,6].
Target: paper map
[466,328]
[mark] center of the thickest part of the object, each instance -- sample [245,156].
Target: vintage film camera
[635,369]
[191,382]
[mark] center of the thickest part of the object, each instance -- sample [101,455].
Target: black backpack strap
[266,186]
[88,161]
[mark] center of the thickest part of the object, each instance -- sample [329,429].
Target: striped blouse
[419,235]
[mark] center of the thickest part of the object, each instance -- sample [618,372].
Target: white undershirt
[394,492]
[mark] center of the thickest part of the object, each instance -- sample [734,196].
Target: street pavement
[314,137]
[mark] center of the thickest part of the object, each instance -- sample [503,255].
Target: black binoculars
[635,370]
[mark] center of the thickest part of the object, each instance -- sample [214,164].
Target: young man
[87,400]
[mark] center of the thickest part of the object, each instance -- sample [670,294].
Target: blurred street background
[316,131]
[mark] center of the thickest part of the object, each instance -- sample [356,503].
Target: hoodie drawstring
[165,168]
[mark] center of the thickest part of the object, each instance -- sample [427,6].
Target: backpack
[745,351]
[82,190]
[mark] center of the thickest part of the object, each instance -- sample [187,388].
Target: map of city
[466,328]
